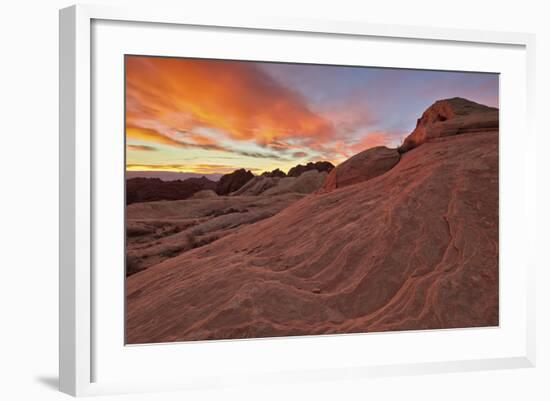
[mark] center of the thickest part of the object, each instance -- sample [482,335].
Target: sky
[215,116]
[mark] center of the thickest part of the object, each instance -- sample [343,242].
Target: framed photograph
[272,200]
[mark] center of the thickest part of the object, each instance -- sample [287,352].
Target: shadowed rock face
[154,189]
[451,117]
[233,181]
[319,166]
[361,167]
[274,173]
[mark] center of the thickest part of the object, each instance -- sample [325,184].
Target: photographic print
[281,199]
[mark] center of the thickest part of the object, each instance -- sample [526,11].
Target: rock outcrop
[451,117]
[155,189]
[362,167]
[319,166]
[444,118]
[275,173]
[157,231]
[257,186]
[306,183]
[233,181]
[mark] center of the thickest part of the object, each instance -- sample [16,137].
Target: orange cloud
[149,135]
[190,141]
[236,98]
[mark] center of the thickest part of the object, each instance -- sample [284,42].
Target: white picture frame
[78,368]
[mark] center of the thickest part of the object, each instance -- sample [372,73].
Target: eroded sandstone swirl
[413,248]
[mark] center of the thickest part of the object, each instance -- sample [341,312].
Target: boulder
[362,167]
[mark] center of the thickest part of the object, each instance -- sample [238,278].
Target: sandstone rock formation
[451,117]
[306,183]
[233,181]
[362,167]
[154,189]
[415,248]
[257,186]
[275,173]
[319,166]
[157,231]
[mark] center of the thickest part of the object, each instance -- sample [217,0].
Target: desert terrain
[390,239]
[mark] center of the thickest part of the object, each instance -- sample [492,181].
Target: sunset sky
[212,116]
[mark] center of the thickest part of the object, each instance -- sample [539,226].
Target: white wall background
[29,185]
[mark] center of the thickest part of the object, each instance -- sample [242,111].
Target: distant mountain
[154,189]
[170,175]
